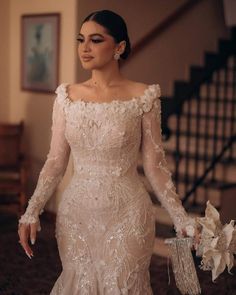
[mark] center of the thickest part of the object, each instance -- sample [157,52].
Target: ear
[121,47]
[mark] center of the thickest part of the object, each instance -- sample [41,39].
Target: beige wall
[36,108]
[4,60]
[169,56]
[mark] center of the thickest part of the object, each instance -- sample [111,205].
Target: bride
[105,226]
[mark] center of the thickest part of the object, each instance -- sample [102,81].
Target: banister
[161,27]
[209,168]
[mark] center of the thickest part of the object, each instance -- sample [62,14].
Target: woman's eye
[80,40]
[97,40]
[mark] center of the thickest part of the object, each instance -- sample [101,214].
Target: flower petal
[211,212]
[228,231]
[219,265]
[229,259]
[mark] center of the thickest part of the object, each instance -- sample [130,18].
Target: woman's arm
[49,177]
[53,169]
[156,168]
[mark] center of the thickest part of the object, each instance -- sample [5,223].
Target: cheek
[104,50]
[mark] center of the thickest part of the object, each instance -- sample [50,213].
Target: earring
[116,56]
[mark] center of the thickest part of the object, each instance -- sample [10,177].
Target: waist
[100,171]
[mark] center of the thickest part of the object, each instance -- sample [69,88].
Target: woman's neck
[106,78]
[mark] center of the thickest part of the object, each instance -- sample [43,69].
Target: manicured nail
[32,241]
[28,254]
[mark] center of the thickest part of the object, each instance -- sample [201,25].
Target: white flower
[217,245]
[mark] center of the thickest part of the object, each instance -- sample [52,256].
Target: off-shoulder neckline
[149,88]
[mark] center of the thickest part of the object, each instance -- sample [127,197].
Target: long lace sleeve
[156,168]
[53,169]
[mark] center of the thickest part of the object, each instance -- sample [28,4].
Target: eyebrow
[91,35]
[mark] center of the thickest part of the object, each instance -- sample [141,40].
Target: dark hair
[115,26]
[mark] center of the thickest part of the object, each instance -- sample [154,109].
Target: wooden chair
[12,166]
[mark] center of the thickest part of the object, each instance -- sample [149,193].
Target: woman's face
[96,48]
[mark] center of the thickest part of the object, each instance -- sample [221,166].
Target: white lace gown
[105,225]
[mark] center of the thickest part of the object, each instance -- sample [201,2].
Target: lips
[87,57]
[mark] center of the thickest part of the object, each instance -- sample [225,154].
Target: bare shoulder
[76,90]
[137,88]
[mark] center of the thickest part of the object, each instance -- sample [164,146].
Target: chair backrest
[10,144]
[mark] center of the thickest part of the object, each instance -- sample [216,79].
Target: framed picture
[40,52]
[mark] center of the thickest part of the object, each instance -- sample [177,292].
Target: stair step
[211,60]
[197,74]
[214,194]
[197,156]
[208,183]
[194,134]
[207,91]
[224,170]
[213,189]
[233,33]
[182,90]
[225,47]
[210,117]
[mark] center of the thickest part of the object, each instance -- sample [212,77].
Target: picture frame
[40,52]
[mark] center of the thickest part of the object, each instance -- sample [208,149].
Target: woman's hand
[195,233]
[26,231]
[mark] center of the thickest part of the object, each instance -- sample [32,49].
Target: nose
[86,46]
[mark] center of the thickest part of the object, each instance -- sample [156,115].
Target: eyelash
[93,40]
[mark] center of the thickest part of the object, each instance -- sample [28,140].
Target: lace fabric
[53,169]
[156,168]
[105,225]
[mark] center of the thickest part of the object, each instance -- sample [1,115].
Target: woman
[105,225]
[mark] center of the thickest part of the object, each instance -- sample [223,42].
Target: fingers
[24,232]
[33,230]
[184,232]
[197,237]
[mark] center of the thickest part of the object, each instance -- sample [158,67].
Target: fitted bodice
[105,137]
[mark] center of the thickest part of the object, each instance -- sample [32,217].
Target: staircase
[199,133]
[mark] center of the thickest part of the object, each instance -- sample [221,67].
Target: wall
[169,56]
[4,60]
[36,108]
[230,12]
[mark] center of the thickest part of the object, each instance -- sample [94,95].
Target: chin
[93,65]
[87,67]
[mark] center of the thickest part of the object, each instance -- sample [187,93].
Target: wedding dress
[105,226]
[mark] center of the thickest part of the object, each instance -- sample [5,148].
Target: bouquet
[217,244]
[217,248]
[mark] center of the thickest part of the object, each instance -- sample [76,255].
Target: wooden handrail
[160,28]
[215,161]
